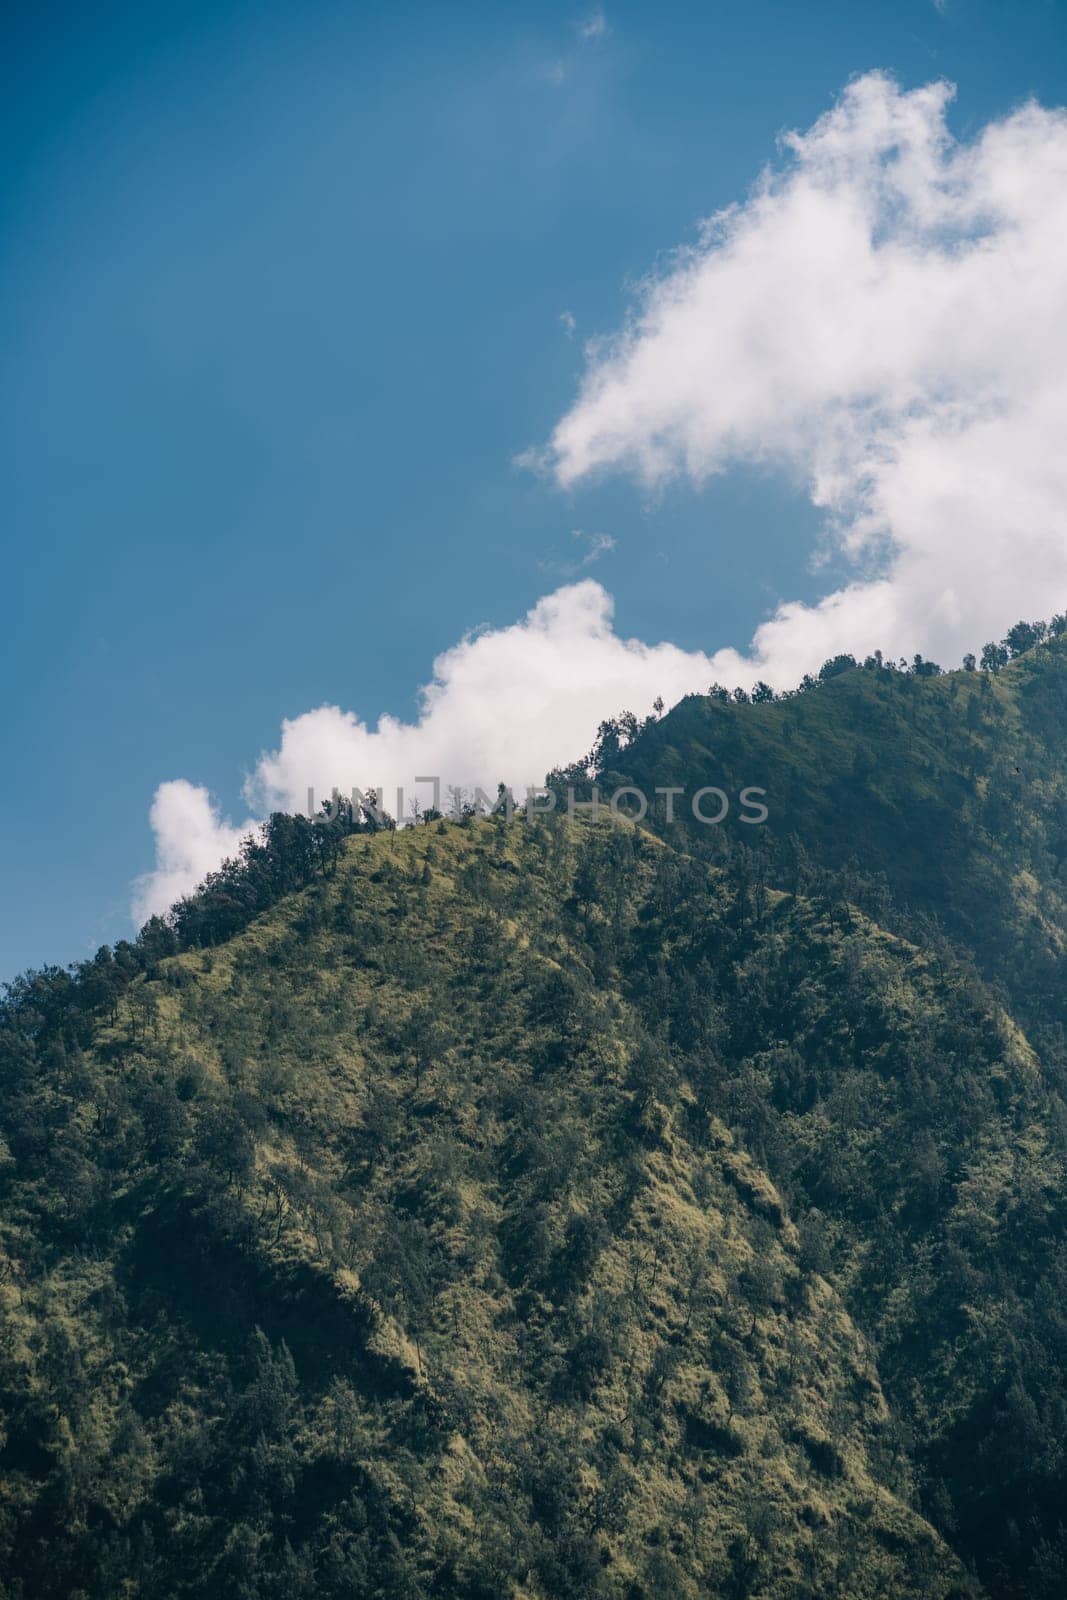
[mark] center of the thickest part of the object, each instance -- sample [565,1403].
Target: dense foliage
[571,1208]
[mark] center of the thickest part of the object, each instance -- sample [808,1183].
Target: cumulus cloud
[886,315]
[191,840]
[504,704]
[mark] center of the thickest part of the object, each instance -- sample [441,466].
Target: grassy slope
[620,1216]
[553,1331]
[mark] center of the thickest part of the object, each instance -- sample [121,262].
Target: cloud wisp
[886,315]
[591,547]
[593,27]
[590,30]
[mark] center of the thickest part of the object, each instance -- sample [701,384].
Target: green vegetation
[571,1209]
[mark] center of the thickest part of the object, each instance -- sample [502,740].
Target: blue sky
[282,301]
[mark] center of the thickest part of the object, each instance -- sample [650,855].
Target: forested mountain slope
[566,1208]
[943,795]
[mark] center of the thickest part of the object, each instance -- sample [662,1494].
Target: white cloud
[568,323]
[887,314]
[191,840]
[503,704]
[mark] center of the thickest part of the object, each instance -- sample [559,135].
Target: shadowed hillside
[571,1209]
[942,795]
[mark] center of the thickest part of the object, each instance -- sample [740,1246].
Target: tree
[759,1283]
[404,1276]
[423,1036]
[735,1375]
[835,666]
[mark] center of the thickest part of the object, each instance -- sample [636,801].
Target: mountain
[571,1207]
